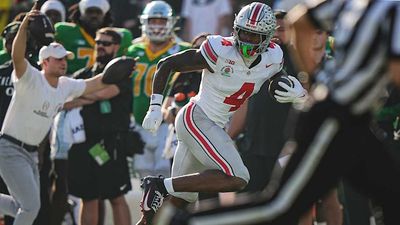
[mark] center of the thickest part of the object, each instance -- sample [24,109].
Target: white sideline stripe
[290,190]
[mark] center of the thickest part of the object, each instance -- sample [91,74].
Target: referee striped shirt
[367,35]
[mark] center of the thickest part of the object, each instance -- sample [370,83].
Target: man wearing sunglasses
[106,117]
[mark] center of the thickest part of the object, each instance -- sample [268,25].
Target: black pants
[331,143]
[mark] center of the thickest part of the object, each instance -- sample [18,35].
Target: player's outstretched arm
[117,70]
[185,61]
[302,28]
[19,44]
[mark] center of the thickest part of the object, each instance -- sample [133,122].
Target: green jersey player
[78,37]
[158,41]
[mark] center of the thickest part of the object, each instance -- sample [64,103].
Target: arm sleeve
[394,32]
[77,87]
[27,77]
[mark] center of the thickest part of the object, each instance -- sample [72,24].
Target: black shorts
[88,180]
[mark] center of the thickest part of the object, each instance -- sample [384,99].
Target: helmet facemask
[257,19]
[158,32]
[247,49]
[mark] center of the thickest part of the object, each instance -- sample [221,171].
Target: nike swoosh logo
[145,207]
[269,65]
[122,187]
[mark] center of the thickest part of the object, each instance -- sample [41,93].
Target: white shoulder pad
[275,53]
[215,46]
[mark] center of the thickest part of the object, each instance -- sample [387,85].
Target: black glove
[41,30]
[118,69]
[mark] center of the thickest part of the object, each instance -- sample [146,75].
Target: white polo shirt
[35,103]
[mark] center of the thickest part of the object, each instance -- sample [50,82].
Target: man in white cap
[55,10]
[38,96]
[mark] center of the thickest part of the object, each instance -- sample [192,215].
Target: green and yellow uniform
[77,40]
[142,78]
[4,56]
[1,43]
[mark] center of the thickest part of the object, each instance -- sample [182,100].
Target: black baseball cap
[11,28]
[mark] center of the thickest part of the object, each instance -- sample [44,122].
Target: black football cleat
[153,196]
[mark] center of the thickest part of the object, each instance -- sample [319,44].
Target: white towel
[60,137]
[77,127]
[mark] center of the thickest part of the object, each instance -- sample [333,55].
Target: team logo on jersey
[227,71]
[43,111]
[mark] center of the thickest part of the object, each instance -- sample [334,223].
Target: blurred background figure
[5,7]
[211,16]
[106,118]
[157,41]
[78,36]
[55,10]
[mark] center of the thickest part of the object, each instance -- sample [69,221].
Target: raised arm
[302,32]
[189,60]
[19,45]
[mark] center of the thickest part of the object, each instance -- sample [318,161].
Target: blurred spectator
[68,4]
[8,36]
[55,10]
[78,37]
[125,13]
[157,41]
[210,16]
[98,168]
[5,7]
[20,6]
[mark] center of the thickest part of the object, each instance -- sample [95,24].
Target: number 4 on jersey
[237,98]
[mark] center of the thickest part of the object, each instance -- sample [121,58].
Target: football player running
[234,68]
[158,41]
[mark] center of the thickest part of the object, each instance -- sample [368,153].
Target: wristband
[156,99]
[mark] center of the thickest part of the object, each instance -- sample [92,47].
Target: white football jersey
[225,89]
[35,103]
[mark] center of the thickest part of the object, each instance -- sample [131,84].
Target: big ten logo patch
[6,85]
[229,61]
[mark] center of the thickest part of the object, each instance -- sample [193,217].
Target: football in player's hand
[118,69]
[273,85]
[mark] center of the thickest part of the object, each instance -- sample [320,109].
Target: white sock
[168,185]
